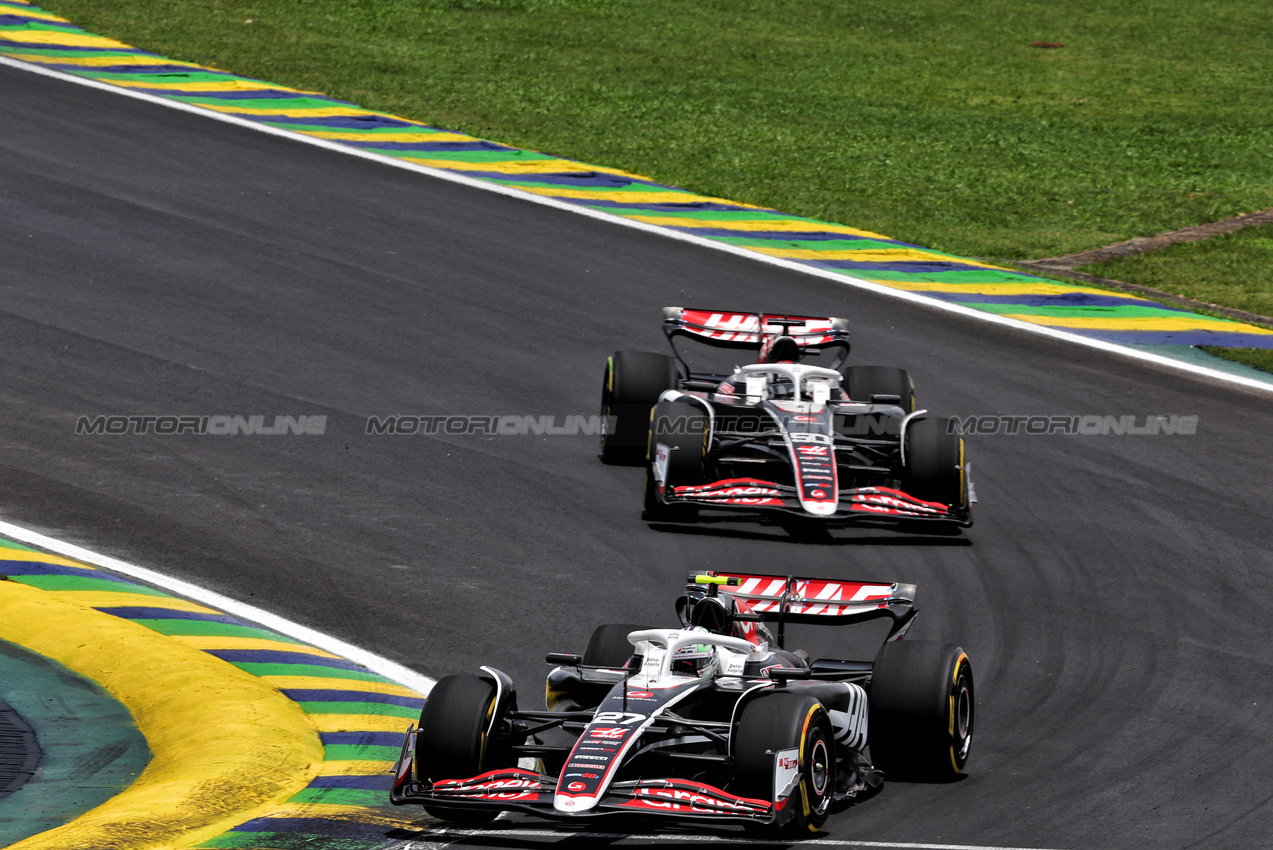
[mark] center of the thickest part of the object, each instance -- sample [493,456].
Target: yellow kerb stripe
[358,723]
[61,39]
[225,747]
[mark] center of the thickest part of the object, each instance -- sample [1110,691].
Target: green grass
[932,122]
[1235,270]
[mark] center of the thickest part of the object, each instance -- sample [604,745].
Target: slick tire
[935,468]
[777,722]
[608,646]
[922,711]
[683,428]
[862,382]
[631,385]
[452,744]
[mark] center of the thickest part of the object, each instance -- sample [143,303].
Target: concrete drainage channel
[214,731]
[19,752]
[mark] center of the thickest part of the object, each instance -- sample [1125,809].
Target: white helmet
[698,660]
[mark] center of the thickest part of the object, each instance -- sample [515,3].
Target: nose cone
[569,805]
[820,508]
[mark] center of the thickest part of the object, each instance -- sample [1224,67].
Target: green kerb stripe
[46,26]
[257,668]
[360,708]
[9,544]
[78,583]
[340,797]
[360,752]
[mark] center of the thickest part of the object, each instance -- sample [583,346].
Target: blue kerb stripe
[17,21]
[663,206]
[329,830]
[194,92]
[270,656]
[341,122]
[141,613]
[39,568]
[913,266]
[425,146]
[361,739]
[376,782]
[1076,299]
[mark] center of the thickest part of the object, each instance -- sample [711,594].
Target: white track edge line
[879,289]
[377,664]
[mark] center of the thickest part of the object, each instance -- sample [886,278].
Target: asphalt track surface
[1114,594]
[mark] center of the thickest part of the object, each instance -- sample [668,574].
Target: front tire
[452,742]
[776,722]
[683,428]
[935,469]
[922,711]
[631,385]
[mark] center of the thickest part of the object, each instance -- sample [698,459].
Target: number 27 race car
[780,433]
[712,721]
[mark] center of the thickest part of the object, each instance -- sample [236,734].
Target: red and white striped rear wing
[748,330]
[815,601]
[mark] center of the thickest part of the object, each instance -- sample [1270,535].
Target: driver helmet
[698,660]
[780,349]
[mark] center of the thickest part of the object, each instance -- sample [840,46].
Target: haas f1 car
[713,721]
[781,433]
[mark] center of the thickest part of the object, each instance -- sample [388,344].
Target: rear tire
[922,711]
[608,646]
[935,463]
[452,743]
[631,385]
[785,721]
[862,382]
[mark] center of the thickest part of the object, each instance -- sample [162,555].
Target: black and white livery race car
[783,433]
[711,721]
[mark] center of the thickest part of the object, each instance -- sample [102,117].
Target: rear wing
[750,330]
[813,601]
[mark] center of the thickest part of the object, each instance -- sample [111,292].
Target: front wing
[853,504]
[518,789]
